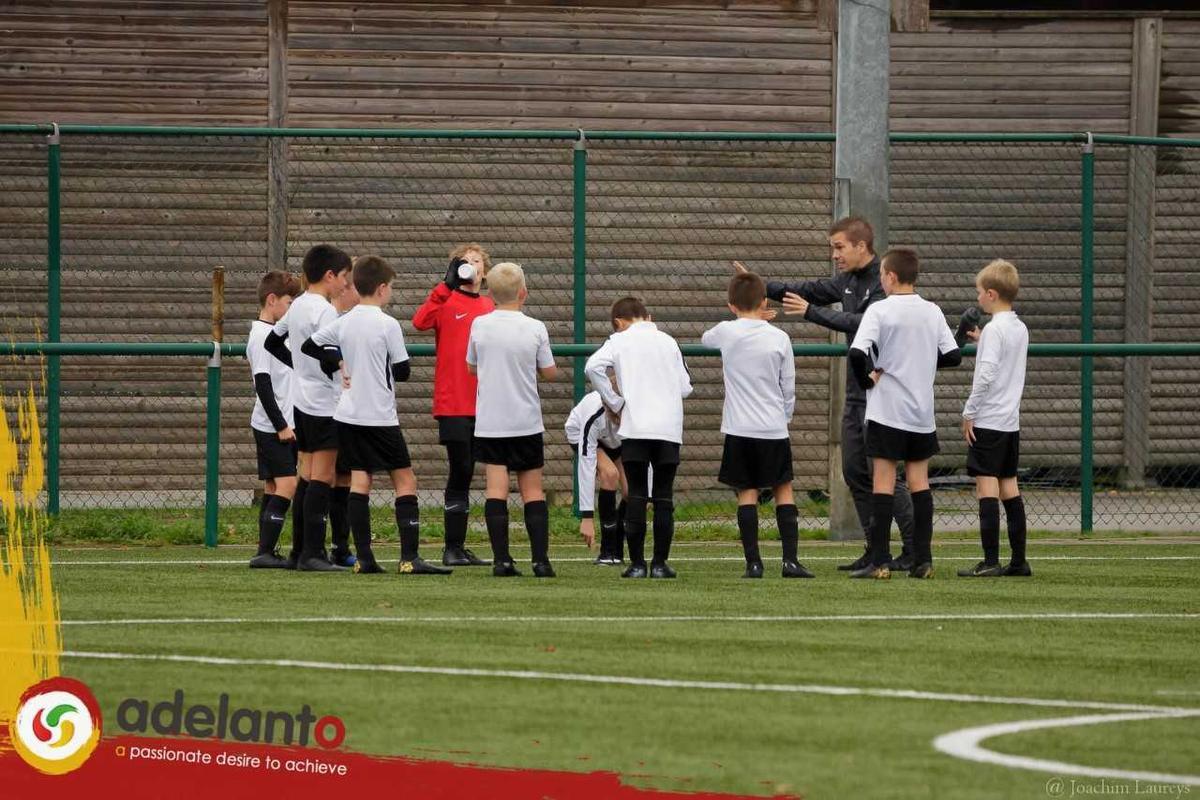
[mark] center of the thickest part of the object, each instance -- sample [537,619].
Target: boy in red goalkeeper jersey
[449,311]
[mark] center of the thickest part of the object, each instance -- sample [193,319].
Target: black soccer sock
[989,528]
[537,525]
[1014,511]
[270,524]
[458,507]
[606,509]
[618,550]
[495,514]
[262,507]
[339,525]
[787,517]
[635,529]
[298,519]
[923,525]
[881,528]
[358,514]
[747,521]
[409,523]
[664,529]
[316,512]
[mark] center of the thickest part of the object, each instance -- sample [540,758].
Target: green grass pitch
[778,722]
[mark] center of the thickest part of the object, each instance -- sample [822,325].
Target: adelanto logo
[57,725]
[173,718]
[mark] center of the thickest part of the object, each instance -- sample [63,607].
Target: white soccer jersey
[652,378]
[995,401]
[507,348]
[262,362]
[904,334]
[371,342]
[760,377]
[587,427]
[313,391]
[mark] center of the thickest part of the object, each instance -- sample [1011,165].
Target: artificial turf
[589,621]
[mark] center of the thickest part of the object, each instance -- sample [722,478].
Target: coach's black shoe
[635,571]
[346,559]
[903,563]
[269,561]
[982,570]
[794,569]
[419,566]
[862,561]
[1021,570]
[922,570]
[462,557]
[872,571]
[505,569]
[318,564]
[661,571]
[754,569]
[364,567]
[542,569]
[608,560]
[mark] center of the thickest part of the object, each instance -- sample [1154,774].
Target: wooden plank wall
[962,205]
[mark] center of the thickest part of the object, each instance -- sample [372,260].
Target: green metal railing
[1086,349]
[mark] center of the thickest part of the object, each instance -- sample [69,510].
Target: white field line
[134,562]
[1086,616]
[968,744]
[628,680]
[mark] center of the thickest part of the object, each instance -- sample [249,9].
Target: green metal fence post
[53,318]
[579,285]
[1087,280]
[212,448]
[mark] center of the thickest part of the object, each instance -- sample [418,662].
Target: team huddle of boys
[326,361]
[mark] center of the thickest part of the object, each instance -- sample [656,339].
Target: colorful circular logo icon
[57,725]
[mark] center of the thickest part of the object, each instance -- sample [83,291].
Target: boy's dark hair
[856,230]
[278,283]
[747,291]
[903,263]
[324,258]
[629,308]
[371,272]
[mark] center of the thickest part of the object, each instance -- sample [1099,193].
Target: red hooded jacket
[450,314]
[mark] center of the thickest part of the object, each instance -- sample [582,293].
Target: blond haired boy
[508,351]
[991,421]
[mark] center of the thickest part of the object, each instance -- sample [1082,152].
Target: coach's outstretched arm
[838,320]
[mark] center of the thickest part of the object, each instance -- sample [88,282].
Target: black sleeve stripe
[583,439]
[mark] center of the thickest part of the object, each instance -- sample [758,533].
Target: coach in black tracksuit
[856,286]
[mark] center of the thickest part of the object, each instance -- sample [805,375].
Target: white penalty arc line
[542,619]
[629,680]
[967,744]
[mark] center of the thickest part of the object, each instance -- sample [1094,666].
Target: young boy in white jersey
[991,421]
[314,397]
[653,381]
[368,346]
[339,498]
[508,351]
[760,397]
[901,343]
[592,434]
[272,421]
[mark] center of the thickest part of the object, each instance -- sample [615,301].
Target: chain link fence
[145,218]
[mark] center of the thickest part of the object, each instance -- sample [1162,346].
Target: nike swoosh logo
[459,316]
[849,292]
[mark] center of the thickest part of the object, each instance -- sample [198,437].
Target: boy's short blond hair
[505,282]
[1001,277]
